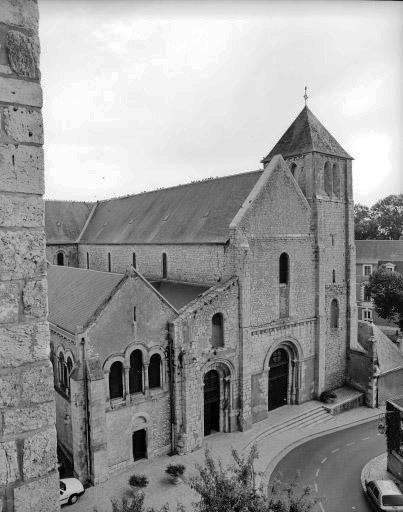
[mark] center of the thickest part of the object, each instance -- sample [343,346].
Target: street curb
[285,451]
[364,469]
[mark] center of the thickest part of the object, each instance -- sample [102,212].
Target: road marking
[317,473]
[365,438]
[350,444]
[316,487]
[321,507]
[324,460]
[335,450]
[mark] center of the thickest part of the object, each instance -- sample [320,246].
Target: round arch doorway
[211,402]
[278,379]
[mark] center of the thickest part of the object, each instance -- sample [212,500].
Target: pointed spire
[306,135]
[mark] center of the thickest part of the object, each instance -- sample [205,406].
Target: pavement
[376,469]
[285,429]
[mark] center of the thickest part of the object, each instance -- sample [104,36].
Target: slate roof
[64,220]
[368,251]
[198,212]
[75,294]
[306,134]
[389,355]
[178,294]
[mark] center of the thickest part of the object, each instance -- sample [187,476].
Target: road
[332,465]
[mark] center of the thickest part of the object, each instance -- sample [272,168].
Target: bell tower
[322,169]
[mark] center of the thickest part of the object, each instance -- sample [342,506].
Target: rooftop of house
[373,251]
[306,134]
[389,355]
[64,220]
[178,294]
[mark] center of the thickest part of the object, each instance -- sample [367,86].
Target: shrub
[138,480]
[175,469]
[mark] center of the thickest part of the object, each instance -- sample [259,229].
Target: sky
[142,95]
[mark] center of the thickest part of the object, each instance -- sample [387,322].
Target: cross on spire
[305,95]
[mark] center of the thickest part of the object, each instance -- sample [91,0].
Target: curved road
[332,466]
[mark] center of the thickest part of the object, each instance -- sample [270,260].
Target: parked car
[384,495]
[70,490]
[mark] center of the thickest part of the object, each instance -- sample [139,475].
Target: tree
[365,226]
[386,289]
[388,216]
[234,489]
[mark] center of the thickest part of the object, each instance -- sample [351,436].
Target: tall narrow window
[217,330]
[333,276]
[60,258]
[109,262]
[69,365]
[62,372]
[293,168]
[332,239]
[336,180]
[164,266]
[134,260]
[116,380]
[283,268]
[154,371]
[328,179]
[334,314]
[88,260]
[134,314]
[136,372]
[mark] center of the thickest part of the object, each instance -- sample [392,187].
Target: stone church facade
[254,273]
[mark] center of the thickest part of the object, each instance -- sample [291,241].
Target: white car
[384,495]
[70,490]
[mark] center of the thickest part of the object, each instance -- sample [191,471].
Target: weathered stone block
[21,211]
[21,92]
[9,389]
[37,384]
[34,297]
[23,53]
[23,13]
[8,463]
[21,168]
[22,254]
[39,454]
[38,496]
[23,124]
[28,418]
[9,302]
[23,342]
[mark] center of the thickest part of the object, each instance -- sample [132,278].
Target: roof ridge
[68,201]
[180,185]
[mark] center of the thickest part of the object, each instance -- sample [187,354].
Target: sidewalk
[272,438]
[375,469]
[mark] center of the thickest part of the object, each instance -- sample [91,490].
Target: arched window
[154,371]
[60,258]
[136,372]
[293,168]
[69,365]
[217,330]
[109,262]
[336,180]
[134,260]
[164,266]
[334,314]
[134,314]
[116,380]
[328,179]
[333,276]
[62,368]
[284,268]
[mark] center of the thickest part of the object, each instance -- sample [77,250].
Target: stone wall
[190,263]
[28,475]
[70,253]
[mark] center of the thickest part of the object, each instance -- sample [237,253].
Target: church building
[200,308]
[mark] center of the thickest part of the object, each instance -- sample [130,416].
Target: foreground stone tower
[28,474]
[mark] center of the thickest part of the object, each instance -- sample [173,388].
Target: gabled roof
[389,356]
[305,135]
[198,212]
[75,294]
[177,293]
[64,220]
[368,251]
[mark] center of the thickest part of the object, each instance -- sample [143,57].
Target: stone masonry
[28,474]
